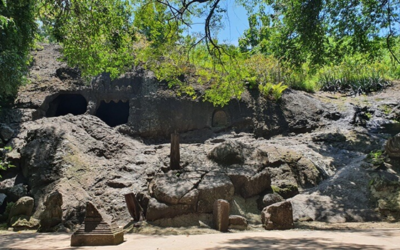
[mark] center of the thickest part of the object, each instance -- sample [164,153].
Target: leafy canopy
[287,43]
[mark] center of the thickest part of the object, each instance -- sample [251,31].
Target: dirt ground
[366,236]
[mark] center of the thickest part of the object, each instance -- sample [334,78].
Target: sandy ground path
[291,239]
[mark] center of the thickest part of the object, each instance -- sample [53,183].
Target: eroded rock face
[237,222]
[393,146]
[278,216]
[268,200]
[228,153]
[223,150]
[2,198]
[83,154]
[17,191]
[24,206]
[20,214]
[6,133]
[51,217]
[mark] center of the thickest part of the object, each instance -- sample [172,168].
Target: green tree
[321,31]
[17,31]
[110,35]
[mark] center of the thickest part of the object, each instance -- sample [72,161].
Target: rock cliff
[99,141]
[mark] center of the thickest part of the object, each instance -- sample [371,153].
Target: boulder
[157,210]
[24,206]
[268,200]
[6,184]
[237,222]
[275,155]
[278,216]
[247,181]
[20,214]
[221,215]
[298,118]
[284,181]
[307,174]
[3,205]
[227,153]
[6,133]
[393,146]
[176,188]
[16,192]
[2,199]
[214,186]
[51,217]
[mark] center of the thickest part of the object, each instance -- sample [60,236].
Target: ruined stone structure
[95,231]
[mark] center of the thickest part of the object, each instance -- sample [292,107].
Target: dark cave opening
[67,104]
[113,113]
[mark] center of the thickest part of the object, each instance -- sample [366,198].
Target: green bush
[358,78]
[3,163]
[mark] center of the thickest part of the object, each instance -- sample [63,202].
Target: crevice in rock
[195,186]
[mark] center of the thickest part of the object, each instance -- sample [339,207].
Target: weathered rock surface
[16,192]
[214,186]
[134,207]
[228,153]
[393,146]
[2,198]
[278,216]
[51,217]
[385,190]
[307,148]
[249,180]
[23,222]
[20,214]
[24,206]
[157,210]
[269,199]
[6,132]
[237,222]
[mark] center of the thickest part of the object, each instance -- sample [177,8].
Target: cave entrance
[67,104]
[113,113]
[220,119]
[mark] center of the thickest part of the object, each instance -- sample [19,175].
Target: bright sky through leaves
[235,23]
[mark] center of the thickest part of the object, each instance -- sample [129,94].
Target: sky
[235,23]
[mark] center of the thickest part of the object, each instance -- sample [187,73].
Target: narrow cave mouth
[67,104]
[113,113]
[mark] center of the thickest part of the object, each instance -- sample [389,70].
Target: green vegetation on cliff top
[343,45]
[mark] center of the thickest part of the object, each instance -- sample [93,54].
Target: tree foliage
[17,30]
[321,31]
[287,43]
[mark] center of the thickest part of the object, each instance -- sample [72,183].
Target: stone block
[237,222]
[278,216]
[221,215]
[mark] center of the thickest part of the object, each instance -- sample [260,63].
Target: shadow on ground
[18,241]
[284,244]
